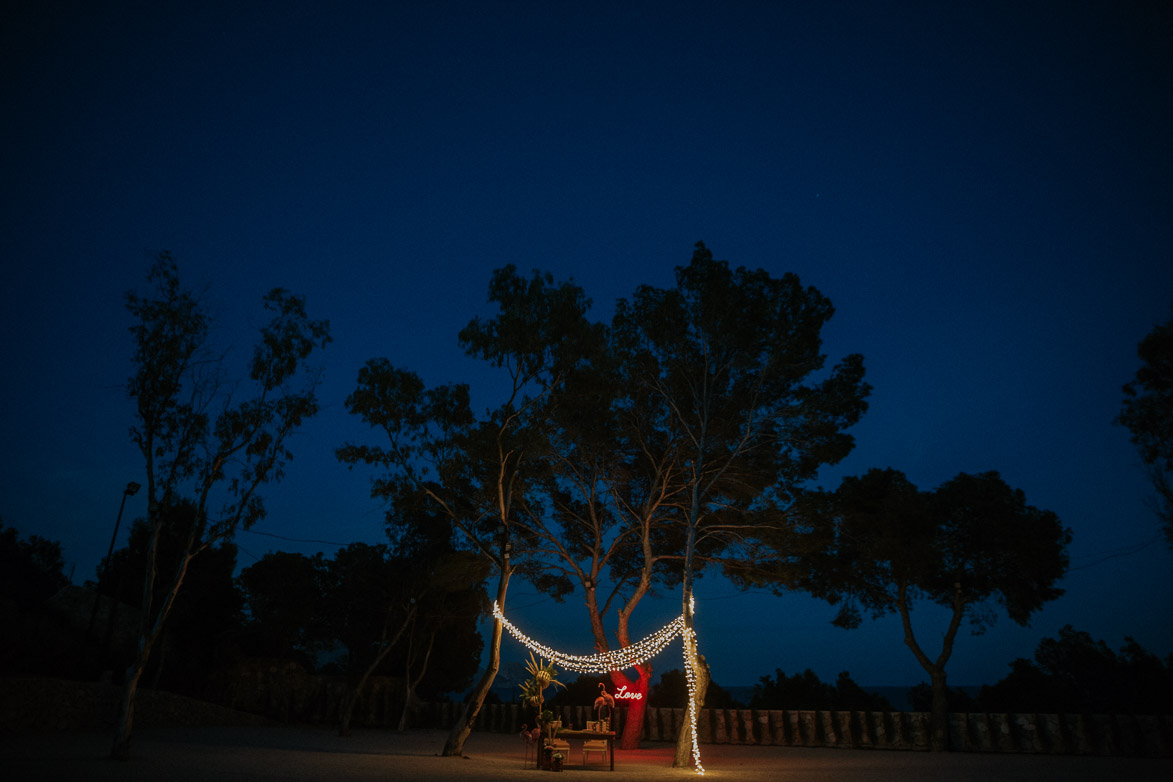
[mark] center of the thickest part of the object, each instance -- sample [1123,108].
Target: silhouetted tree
[672,692]
[442,461]
[442,638]
[202,436]
[30,574]
[806,691]
[283,593]
[31,570]
[727,366]
[604,523]
[921,698]
[368,605]
[1148,414]
[205,616]
[1073,673]
[968,546]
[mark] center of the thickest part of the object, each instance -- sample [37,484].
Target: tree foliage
[1148,413]
[301,607]
[205,615]
[1074,673]
[973,545]
[284,595]
[726,378]
[31,574]
[806,691]
[440,463]
[205,436]
[671,692]
[31,570]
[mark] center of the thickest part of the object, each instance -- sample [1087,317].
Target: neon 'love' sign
[624,695]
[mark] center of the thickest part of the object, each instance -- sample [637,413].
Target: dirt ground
[254,753]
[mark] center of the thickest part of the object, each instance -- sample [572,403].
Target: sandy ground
[248,754]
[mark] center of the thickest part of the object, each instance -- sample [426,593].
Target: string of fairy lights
[629,656]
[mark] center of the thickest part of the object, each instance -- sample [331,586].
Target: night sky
[983,190]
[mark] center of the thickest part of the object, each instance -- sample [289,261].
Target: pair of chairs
[532,737]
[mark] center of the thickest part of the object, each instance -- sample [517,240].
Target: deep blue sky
[982,189]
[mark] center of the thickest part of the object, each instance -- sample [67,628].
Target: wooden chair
[557,744]
[594,746]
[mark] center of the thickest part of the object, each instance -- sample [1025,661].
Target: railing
[1065,734]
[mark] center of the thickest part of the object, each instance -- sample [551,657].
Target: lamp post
[130,490]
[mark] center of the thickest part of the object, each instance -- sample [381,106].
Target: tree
[604,520]
[1074,673]
[31,574]
[672,692]
[1148,414]
[205,615]
[441,461]
[284,596]
[970,545]
[30,570]
[806,691]
[215,441]
[369,604]
[447,589]
[727,368]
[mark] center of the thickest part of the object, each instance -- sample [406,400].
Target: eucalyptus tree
[726,373]
[202,436]
[475,471]
[1148,413]
[971,546]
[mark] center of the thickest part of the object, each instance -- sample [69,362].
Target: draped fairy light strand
[604,662]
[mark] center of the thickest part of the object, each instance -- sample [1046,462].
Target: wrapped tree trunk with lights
[475,473]
[696,670]
[199,436]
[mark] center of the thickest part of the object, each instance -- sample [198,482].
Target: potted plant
[533,692]
[557,762]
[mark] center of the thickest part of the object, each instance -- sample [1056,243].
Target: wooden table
[587,735]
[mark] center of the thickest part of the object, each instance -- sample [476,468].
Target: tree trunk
[939,724]
[459,734]
[636,707]
[685,746]
[123,731]
[352,695]
[939,718]
[409,684]
[148,634]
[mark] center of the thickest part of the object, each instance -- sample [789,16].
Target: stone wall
[283,691]
[263,690]
[1068,734]
[41,704]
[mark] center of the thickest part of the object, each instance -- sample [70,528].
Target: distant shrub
[806,691]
